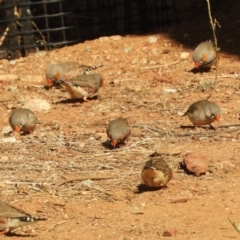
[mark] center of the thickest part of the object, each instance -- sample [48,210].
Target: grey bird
[66,71]
[22,119]
[118,131]
[205,55]
[203,112]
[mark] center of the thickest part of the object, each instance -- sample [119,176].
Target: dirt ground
[69,141]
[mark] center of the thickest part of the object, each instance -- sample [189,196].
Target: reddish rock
[170,232]
[180,199]
[195,163]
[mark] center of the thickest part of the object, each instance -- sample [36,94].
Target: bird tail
[91,68]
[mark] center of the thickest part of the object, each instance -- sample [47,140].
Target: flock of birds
[83,85]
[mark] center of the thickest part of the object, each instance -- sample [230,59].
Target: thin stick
[82,179]
[213,25]
[234,226]
[157,66]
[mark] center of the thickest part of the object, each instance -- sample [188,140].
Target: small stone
[116,37]
[103,39]
[143,61]
[170,90]
[4,158]
[170,232]
[152,39]
[195,163]
[127,49]
[184,55]
[40,53]
[37,104]
[154,51]
[180,199]
[6,130]
[8,78]
[33,79]
[12,88]
[12,62]
[9,140]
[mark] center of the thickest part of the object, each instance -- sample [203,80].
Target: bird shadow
[195,127]
[13,234]
[200,70]
[107,144]
[70,101]
[143,188]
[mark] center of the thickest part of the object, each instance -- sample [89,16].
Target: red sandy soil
[68,143]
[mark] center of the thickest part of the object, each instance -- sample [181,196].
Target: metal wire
[31,24]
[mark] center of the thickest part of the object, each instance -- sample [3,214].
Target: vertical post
[26,21]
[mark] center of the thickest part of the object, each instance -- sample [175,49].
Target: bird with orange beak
[66,71]
[156,173]
[205,55]
[118,131]
[203,112]
[22,120]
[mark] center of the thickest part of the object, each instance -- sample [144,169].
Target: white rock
[103,39]
[12,88]
[170,90]
[33,79]
[4,158]
[127,49]
[154,51]
[41,53]
[116,37]
[6,130]
[37,105]
[184,55]
[152,39]
[9,140]
[8,78]
[12,62]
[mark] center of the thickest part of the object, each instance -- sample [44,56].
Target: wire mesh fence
[28,25]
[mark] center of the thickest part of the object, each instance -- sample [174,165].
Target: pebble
[152,39]
[8,78]
[195,163]
[9,140]
[38,105]
[33,79]
[12,88]
[6,130]
[184,55]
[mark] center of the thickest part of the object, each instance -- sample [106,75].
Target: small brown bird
[118,131]
[22,119]
[205,55]
[12,217]
[66,71]
[203,112]
[83,86]
[156,173]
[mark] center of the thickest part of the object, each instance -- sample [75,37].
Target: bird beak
[217,118]
[49,82]
[197,64]
[114,142]
[17,129]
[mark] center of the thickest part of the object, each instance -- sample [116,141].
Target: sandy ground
[69,143]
